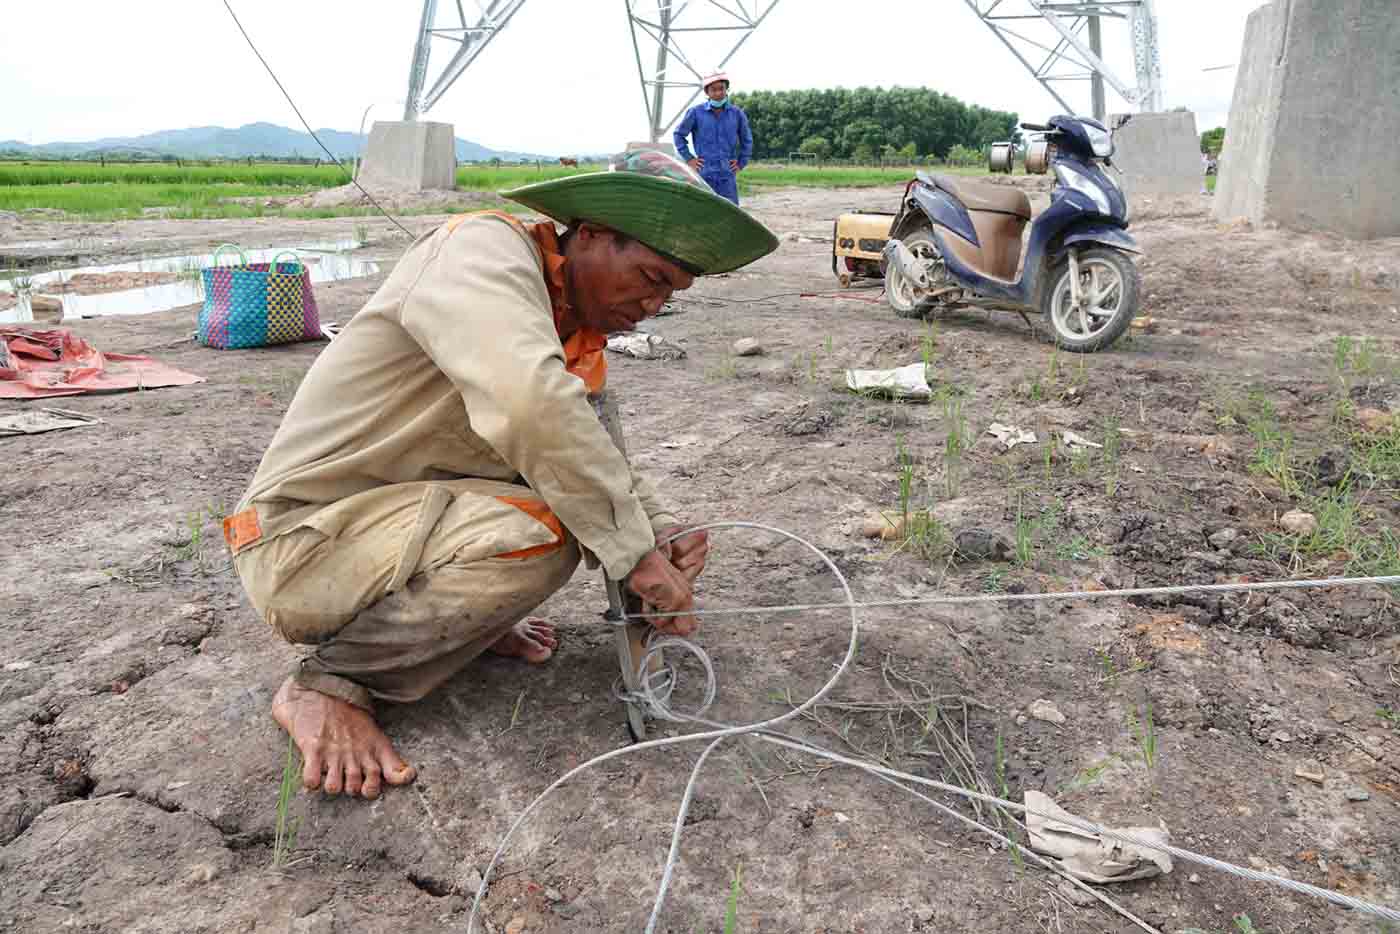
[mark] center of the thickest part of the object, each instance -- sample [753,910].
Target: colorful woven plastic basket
[257,304]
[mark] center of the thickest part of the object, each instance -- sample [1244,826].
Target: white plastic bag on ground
[1010,435]
[1088,856]
[645,346]
[906,382]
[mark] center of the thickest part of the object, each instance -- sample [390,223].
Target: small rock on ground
[982,545]
[1312,771]
[1299,522]
[1224,538]
[1047,711]
[1374,420]
[748,347]
[886,527]
[1358,794]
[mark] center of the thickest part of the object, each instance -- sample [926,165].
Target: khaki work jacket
[454,368]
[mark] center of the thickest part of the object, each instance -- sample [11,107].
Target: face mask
[719,104]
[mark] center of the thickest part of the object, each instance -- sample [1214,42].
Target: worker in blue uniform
[720,131]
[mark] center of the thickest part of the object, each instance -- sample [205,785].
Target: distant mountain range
[254,139]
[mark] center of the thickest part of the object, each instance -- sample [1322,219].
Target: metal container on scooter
[1039,154]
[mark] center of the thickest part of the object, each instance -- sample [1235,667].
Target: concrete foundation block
[1314,121]
[406,156]
[1159,155]
[666,147]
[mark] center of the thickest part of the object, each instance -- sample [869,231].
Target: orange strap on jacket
[539,511]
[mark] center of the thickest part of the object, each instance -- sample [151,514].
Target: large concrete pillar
[1159,155]
[1311,142]
[410,156]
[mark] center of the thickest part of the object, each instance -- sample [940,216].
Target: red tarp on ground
[35,364]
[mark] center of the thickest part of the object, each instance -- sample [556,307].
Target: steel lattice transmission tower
[470,35]
[658,28]
[1065,37]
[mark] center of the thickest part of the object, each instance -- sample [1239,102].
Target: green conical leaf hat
[658,200]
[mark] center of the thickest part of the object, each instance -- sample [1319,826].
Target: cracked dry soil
[139,768]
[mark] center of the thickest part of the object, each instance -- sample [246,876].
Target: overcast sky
[560,78]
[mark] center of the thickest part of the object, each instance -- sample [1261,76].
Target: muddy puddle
[155,284]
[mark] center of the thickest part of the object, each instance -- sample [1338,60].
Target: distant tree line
[868,123]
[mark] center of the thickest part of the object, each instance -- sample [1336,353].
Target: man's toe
[373,778]
[335,775]
[311,770]
[354,778]
[396,771]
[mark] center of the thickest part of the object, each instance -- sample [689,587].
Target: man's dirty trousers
[418,579]
[440,472]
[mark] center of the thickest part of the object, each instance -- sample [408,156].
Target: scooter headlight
[1078,181]
[1100,140]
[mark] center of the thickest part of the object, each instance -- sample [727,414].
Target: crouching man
[443,466]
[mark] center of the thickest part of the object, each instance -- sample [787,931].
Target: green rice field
[125,190]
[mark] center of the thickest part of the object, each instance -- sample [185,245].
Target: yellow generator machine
[856,241]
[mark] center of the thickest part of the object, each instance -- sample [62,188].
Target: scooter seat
[1002,199]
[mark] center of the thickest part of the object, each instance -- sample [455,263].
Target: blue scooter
[955,242]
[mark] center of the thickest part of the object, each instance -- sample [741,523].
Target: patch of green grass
[994,582]
[923,534]
[731,912]
[125,190]
[1078,548]
[724,368]
[42,174]
[122,199]
[1109,670]
[1004,788]
[285,829]
[1024,535]
[928,345]
[1274,456]
[1342,534]
[757,177]
[958,441]
[191,546]
[1089,775]
[1079,460]
[1144,731]
[1376,456]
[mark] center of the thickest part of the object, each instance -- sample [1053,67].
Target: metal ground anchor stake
[630,639]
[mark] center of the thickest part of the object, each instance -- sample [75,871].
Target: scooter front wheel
[1108,300]
[907,299]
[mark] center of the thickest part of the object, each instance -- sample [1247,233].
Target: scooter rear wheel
[1108,283]
[907,300]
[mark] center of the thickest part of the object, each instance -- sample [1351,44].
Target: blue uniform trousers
[723,181]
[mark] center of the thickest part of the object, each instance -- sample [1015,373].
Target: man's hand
[664,589]
[734,166]
[697,163]
[687,553]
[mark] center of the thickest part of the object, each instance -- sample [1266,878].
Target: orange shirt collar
[583,349]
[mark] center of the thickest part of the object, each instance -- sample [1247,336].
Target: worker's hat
[711,78]
[656,199]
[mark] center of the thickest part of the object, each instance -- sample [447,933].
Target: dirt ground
[139,769]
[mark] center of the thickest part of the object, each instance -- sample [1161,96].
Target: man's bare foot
[340,741]
[530,639]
